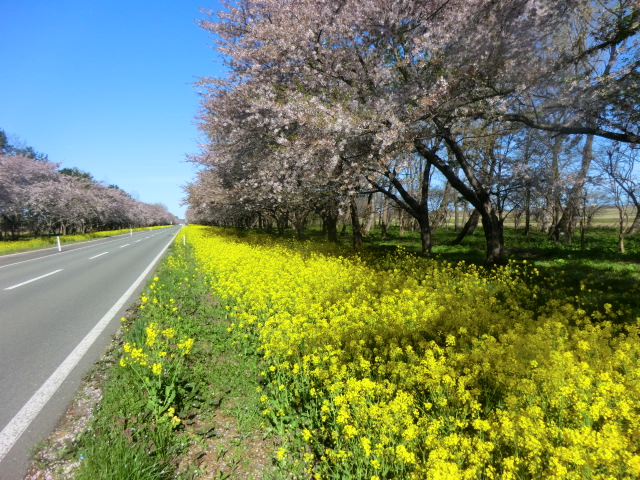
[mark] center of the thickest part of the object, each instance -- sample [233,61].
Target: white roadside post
[58,242]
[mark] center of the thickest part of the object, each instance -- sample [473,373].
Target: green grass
[119,461]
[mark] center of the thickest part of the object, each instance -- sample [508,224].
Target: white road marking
[125,245]
[33,279]
[18,424]
[99,255]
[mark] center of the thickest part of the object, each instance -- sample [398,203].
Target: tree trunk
[494,236]
[468,228]
[425,234]
[622,228]
[299,231]
[635,225]
[456,213]
[556,206]
[384,218]
[356,228]
[300,223]
[369,215]
[583,224]
[567,220]
[527,212]
[331,224]
[442,213]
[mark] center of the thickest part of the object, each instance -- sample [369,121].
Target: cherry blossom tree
[363,85]
[17,175]
[263,159]
[36,196]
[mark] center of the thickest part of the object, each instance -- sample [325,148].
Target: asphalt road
[57,313]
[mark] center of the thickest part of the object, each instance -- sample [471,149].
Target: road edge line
[21,421]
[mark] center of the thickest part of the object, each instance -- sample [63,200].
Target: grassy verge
[28,244]
[177,399]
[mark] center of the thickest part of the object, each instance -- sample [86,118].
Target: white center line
[99,255]
[125,245]
[33,280]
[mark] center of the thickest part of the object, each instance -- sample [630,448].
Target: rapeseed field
[416,370]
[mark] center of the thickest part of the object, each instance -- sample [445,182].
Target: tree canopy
[327,99]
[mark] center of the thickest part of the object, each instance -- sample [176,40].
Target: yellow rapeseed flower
[399,362]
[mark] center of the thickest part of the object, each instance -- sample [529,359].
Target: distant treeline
[39,198]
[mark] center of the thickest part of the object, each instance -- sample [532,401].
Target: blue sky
[106,86]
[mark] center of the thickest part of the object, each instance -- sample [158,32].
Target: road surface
[57,313]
